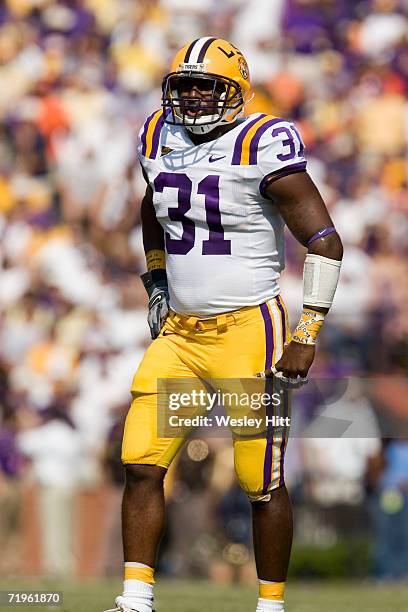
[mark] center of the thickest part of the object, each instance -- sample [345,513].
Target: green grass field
[176,596]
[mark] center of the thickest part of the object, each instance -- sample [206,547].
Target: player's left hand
[293,366]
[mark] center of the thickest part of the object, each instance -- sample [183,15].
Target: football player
[220,188]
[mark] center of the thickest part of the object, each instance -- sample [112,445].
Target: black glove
[155,283]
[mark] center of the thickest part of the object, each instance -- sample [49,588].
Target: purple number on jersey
[183,184]
[288,142]
[216,243]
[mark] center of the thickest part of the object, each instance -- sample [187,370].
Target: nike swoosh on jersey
[166,333]
[214,159]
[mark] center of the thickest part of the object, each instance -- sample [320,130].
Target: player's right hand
[158,310]
[155,283]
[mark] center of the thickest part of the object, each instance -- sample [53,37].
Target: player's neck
[198,139]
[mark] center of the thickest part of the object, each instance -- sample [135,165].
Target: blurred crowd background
[78,77]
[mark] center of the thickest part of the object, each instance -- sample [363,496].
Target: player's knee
[264,498]
[261,498]
[143,477]
[256,491]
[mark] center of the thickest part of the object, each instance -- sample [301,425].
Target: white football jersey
[224,238]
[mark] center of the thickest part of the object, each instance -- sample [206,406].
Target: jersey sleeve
[280,152]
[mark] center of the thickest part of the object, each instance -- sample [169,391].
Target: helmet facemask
[221,103]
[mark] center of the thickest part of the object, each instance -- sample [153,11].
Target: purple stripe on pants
[285,399]
[269,386]
[283,443]
[268,335]
[282,311]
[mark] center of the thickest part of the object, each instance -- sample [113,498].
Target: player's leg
[270,518]
[146,456]
[143,512]
[259,462]
[146,459]
[271,515]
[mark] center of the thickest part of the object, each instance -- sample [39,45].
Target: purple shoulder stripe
[277,174]
[156,134]
[144,133]
[236,156]
[253,147]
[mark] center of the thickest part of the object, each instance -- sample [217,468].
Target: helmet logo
[243,67]
[226,53]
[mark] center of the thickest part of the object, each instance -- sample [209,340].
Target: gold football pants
[233,345]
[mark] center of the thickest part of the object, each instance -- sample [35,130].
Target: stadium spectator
[388,481]
[54,448]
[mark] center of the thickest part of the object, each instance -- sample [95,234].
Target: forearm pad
[320,278]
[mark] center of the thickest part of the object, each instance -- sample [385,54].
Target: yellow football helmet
[213,65]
